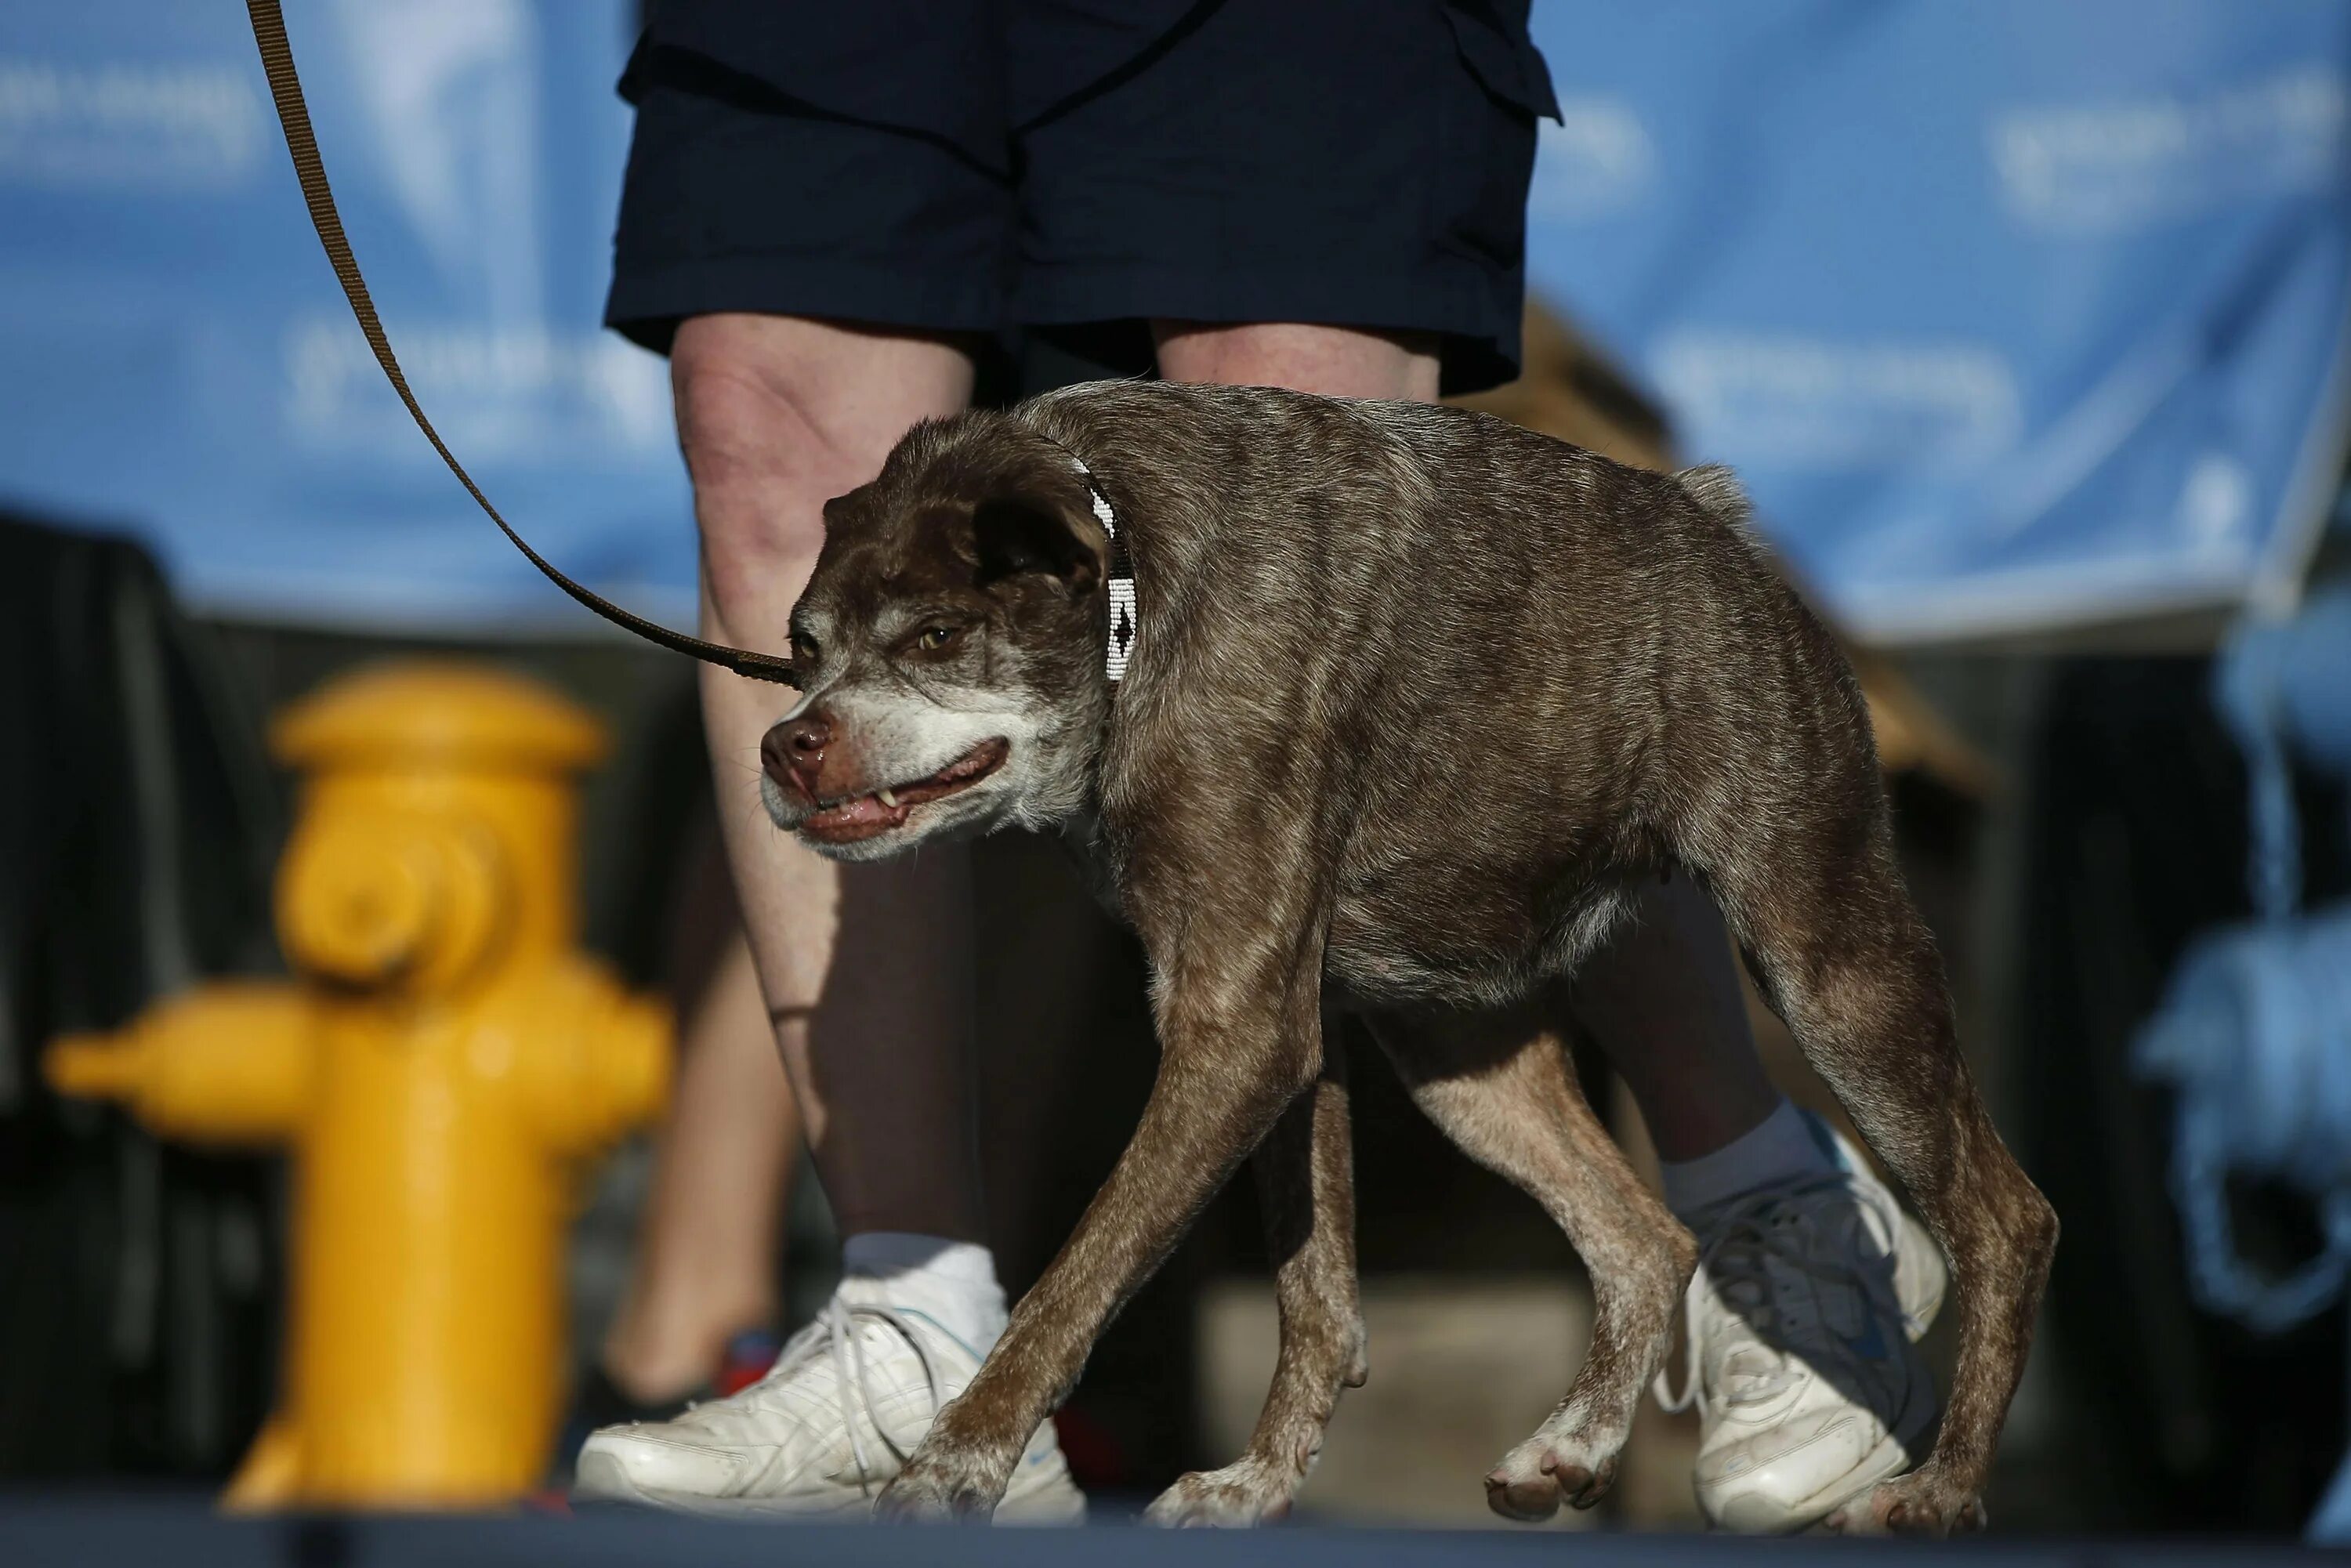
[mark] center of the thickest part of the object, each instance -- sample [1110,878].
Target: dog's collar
[1121,576]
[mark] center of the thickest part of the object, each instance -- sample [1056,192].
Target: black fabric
[1082,166]
[137,823]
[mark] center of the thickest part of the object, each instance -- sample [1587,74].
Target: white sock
[952,1281]
[1786,1143]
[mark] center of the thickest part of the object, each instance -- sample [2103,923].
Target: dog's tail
[1719,495]
[1717,488]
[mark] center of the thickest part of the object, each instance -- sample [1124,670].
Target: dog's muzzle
[793,754]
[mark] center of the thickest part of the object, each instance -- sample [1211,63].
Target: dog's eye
[934,638]
[803,648]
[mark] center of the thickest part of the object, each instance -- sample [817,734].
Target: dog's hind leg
[1812,892]
[1501,1087]
[1305,1182]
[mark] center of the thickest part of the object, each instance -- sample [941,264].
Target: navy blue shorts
[1078,167]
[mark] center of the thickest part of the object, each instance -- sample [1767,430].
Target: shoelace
[1744,1243]
[835,1330]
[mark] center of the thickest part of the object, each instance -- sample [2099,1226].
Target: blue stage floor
[90,1532]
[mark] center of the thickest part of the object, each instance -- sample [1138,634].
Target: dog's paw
[1924,1502]
[1241,1494]
[1544,1471]
[931,1491]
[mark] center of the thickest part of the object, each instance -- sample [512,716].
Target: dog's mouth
[881,810]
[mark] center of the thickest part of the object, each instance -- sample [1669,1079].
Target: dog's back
[1505,674]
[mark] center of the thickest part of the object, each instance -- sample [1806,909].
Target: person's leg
[1808,1266]
[867,970]
[1663,1001]
[777,415]
[705,1267]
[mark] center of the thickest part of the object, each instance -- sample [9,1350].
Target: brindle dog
[1418,699]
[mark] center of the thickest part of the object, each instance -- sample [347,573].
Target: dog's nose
[794,750]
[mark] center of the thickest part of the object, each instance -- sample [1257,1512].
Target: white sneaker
[823,1432]
[1801,1316]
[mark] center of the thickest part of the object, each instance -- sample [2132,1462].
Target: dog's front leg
[1240,1037]
[1306,1187]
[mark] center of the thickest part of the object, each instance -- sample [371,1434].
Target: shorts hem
[1474,312]
[646,304]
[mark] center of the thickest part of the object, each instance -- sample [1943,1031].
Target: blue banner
[2014,315]
[176,361]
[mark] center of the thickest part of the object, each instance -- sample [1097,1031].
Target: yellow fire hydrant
[440,1066]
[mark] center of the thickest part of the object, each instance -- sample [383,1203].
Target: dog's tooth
[887,799]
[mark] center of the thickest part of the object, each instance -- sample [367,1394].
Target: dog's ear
[1027,534]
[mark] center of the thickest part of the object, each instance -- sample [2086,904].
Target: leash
[294,119]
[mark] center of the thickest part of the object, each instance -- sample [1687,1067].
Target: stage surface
[100,1531]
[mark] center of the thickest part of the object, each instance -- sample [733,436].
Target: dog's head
[949,648]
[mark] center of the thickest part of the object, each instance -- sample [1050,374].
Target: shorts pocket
[1494,43]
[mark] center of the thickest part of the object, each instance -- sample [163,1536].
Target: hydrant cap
[422,711]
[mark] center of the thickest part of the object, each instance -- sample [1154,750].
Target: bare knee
[1337,361]
[762,469]
[777,414]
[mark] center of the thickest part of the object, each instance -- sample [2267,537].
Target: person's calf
[777,415]
[1662,1000]
[704,1267]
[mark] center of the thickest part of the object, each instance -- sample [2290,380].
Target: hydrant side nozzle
[95,1066]
[613,1077]
[637,1064]
[228,1063]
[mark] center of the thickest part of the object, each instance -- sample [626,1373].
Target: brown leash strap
[278,60]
